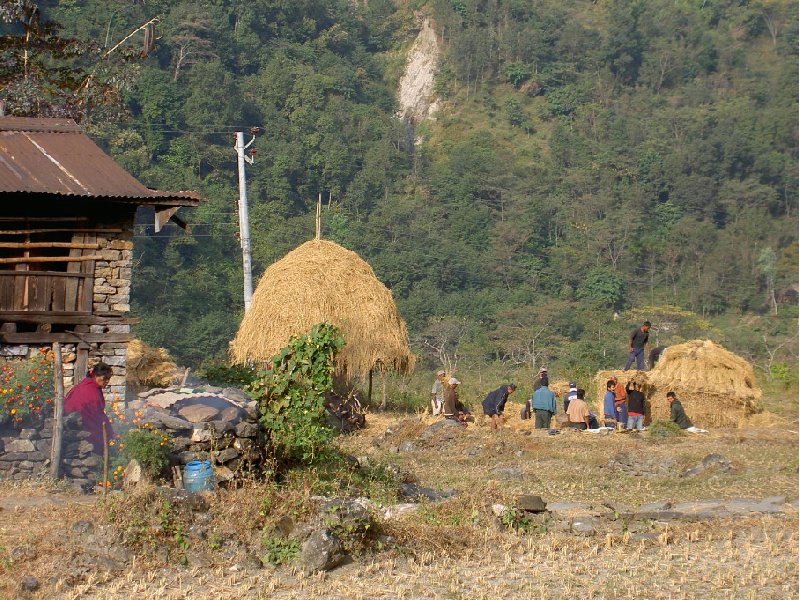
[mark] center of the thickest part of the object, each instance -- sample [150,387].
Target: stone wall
[26,452]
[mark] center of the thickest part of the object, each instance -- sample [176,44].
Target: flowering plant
[26,386]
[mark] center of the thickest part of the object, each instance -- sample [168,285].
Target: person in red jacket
[87,399]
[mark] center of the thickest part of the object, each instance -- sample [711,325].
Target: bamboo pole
[105,459]
[383,389]
[58,416]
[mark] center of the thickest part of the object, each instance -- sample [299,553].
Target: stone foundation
[26,452]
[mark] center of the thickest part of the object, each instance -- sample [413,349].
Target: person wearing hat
[541,379]
[437,393]
[495,403]
[570,395]
[451,403]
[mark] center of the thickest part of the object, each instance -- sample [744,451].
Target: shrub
[26,386]
[664,429]
[280,551]
[291,394]
[147,446]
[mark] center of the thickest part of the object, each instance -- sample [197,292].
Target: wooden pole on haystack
[383,389]
[319,217]
[58,412]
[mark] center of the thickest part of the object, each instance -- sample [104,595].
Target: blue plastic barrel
[198,476]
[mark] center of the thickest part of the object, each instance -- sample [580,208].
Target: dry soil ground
[455,549]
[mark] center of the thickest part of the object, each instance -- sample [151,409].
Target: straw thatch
[147,366]
[717,388]
[322,282]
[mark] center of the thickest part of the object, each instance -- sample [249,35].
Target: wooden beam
[54,319]
[65,313]
[28,245]
[65,338]
[48,259]
[58,420]
[50,218]
[47,274]
[163,216]
[59,230]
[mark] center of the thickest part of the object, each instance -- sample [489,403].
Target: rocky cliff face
[416,95]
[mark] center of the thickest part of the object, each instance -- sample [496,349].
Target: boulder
[223,474]
[133,473]
[322,551]
[198,413]
[530,503]
[413,491]
[227,455]
[246,430]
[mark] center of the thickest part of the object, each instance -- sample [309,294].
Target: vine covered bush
[26,387]
[291,393]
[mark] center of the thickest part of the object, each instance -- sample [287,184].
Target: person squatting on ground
[87,399]
[543,404]
[453,408]
[437,393]
[678,416]
[578,411]
[635,405]
[495,403]
[636,344]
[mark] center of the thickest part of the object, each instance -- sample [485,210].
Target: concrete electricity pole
[244,217]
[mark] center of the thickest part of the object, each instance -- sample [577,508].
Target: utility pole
[244,217]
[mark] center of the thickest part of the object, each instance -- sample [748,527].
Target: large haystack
[322,282]
[717,388]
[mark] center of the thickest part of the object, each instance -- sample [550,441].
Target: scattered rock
[29,583]
[227,455]
[132,474]
[223,474]
[410,490]
[530,503]
[498,510]
[245,429]
[444,425]
[583,527]
[407,446]
[285,526]
[654,506]
[714,461]
[642,465]
[508,473]
[83,527]
[198,413]
[396,510]
[322,551]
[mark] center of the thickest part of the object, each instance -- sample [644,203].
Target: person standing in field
[636,344]
[620,403]
[87,400]
[543,403]
[495,403]
[578,411]
[541,379]
[635,406]
[570,395]
[437,393]
[609,410]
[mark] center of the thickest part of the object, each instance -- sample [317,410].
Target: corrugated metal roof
[55,156]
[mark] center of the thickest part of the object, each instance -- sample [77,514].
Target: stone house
[66,245]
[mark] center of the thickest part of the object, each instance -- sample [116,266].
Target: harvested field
[456,547]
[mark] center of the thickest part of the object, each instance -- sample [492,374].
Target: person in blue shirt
[543,404]
[609,410]
[495,403]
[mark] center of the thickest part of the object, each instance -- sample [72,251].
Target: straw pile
[322,282]
[148,366]
[623,377]
[717,388]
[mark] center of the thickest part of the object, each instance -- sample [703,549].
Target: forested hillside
[589,159]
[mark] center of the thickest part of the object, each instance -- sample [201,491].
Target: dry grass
[322,282]
[148,366]
[452,549]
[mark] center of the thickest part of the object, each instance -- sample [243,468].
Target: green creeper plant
[291,393]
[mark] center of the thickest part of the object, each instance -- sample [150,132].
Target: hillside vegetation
[588,158]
